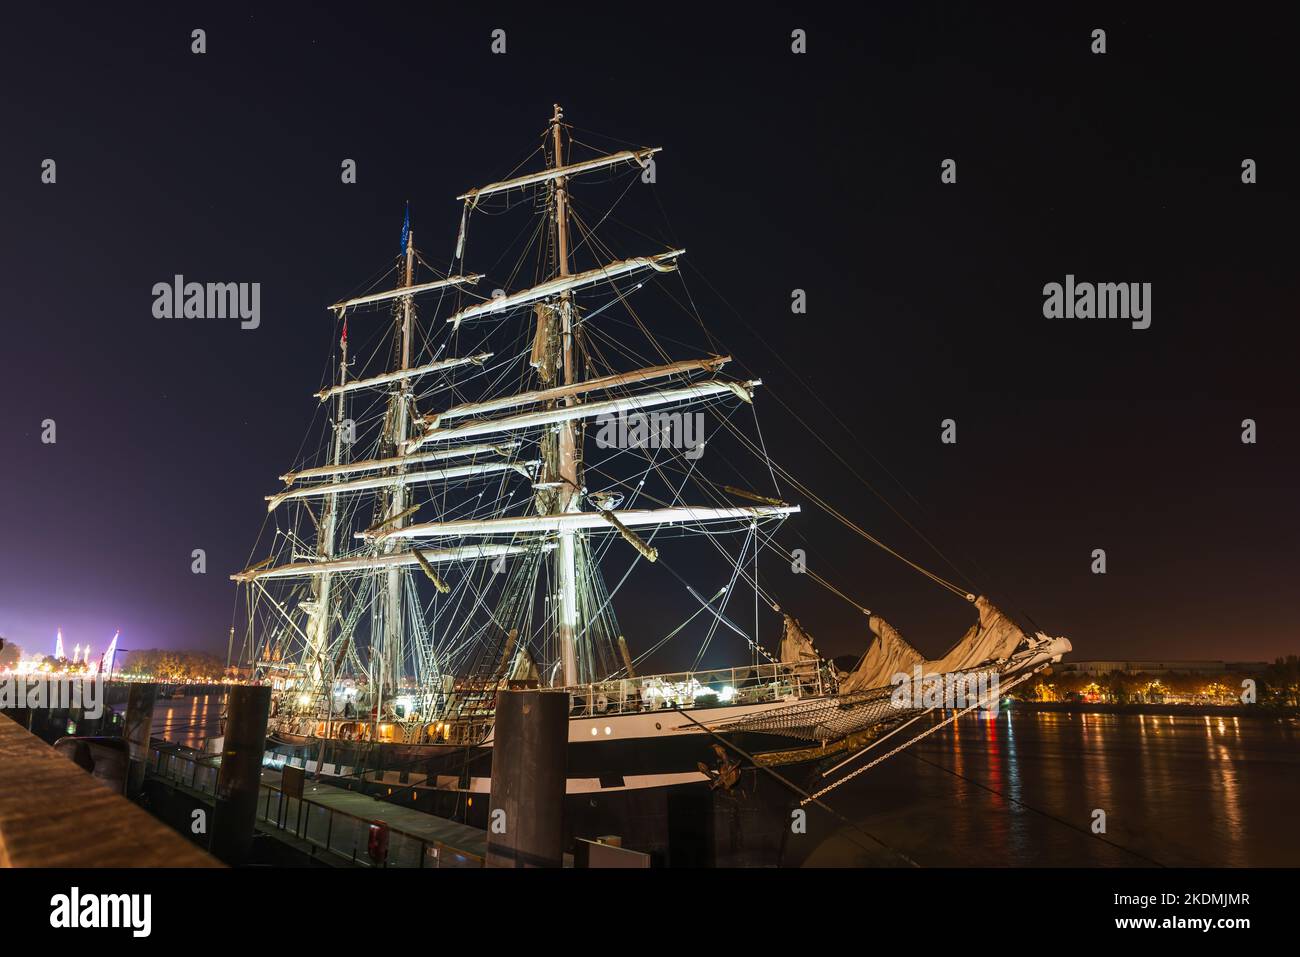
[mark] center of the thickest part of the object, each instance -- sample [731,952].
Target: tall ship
[500,460]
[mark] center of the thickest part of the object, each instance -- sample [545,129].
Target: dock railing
[327,828]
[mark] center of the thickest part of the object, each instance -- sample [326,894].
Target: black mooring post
[137,729]
[529,761]
[241,773]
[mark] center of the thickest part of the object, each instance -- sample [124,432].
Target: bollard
[235,814]
[137,729]
[529,758]
[104,758]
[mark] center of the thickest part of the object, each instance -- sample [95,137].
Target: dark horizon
[819,172]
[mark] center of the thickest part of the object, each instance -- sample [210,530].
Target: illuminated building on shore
[1159,667]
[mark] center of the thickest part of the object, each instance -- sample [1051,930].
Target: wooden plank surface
[54,814]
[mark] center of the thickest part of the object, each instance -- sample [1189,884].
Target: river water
[188,720]
[1025,788]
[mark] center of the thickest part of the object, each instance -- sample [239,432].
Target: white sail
[555,172]
[562,284]
[394,560]
[993,638]
[796,644]
[398,461]
[712,364]
[575,521]
[888,655]
[400,291]
[646,400]
[402,374]
[405,478]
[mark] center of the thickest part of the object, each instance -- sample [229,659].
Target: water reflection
[1181,791]
[188,720]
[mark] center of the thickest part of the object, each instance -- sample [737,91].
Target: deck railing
[748,684]
[468,711]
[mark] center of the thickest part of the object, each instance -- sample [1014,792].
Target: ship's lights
[655,691]
[727,693]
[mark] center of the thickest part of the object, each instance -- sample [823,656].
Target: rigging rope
[924,734]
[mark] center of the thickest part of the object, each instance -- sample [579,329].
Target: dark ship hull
[658,795]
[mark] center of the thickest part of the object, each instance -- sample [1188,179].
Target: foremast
[320,611]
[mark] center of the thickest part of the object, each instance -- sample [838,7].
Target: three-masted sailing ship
[497,466]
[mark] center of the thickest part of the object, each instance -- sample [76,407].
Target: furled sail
[555,172]
[576,521]
[402,291]
[371,465]
[523,668]
[992,638]
[402,478]
[545,357]
[402,374]
[711,364]
[796,644]
[660,262]
[394,560]
[590,410]
[888,655]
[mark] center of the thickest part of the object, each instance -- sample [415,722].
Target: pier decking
[331,823]
[436,831]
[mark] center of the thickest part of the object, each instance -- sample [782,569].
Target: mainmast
[569,454]
[393,646]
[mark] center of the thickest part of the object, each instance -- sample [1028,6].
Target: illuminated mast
[568,454]
[393,650]
[320,607]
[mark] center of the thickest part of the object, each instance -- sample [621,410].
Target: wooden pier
[54,814]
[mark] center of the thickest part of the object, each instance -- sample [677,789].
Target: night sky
[780,171]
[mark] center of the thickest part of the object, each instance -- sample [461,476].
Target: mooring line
[796,789]
[911,741]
